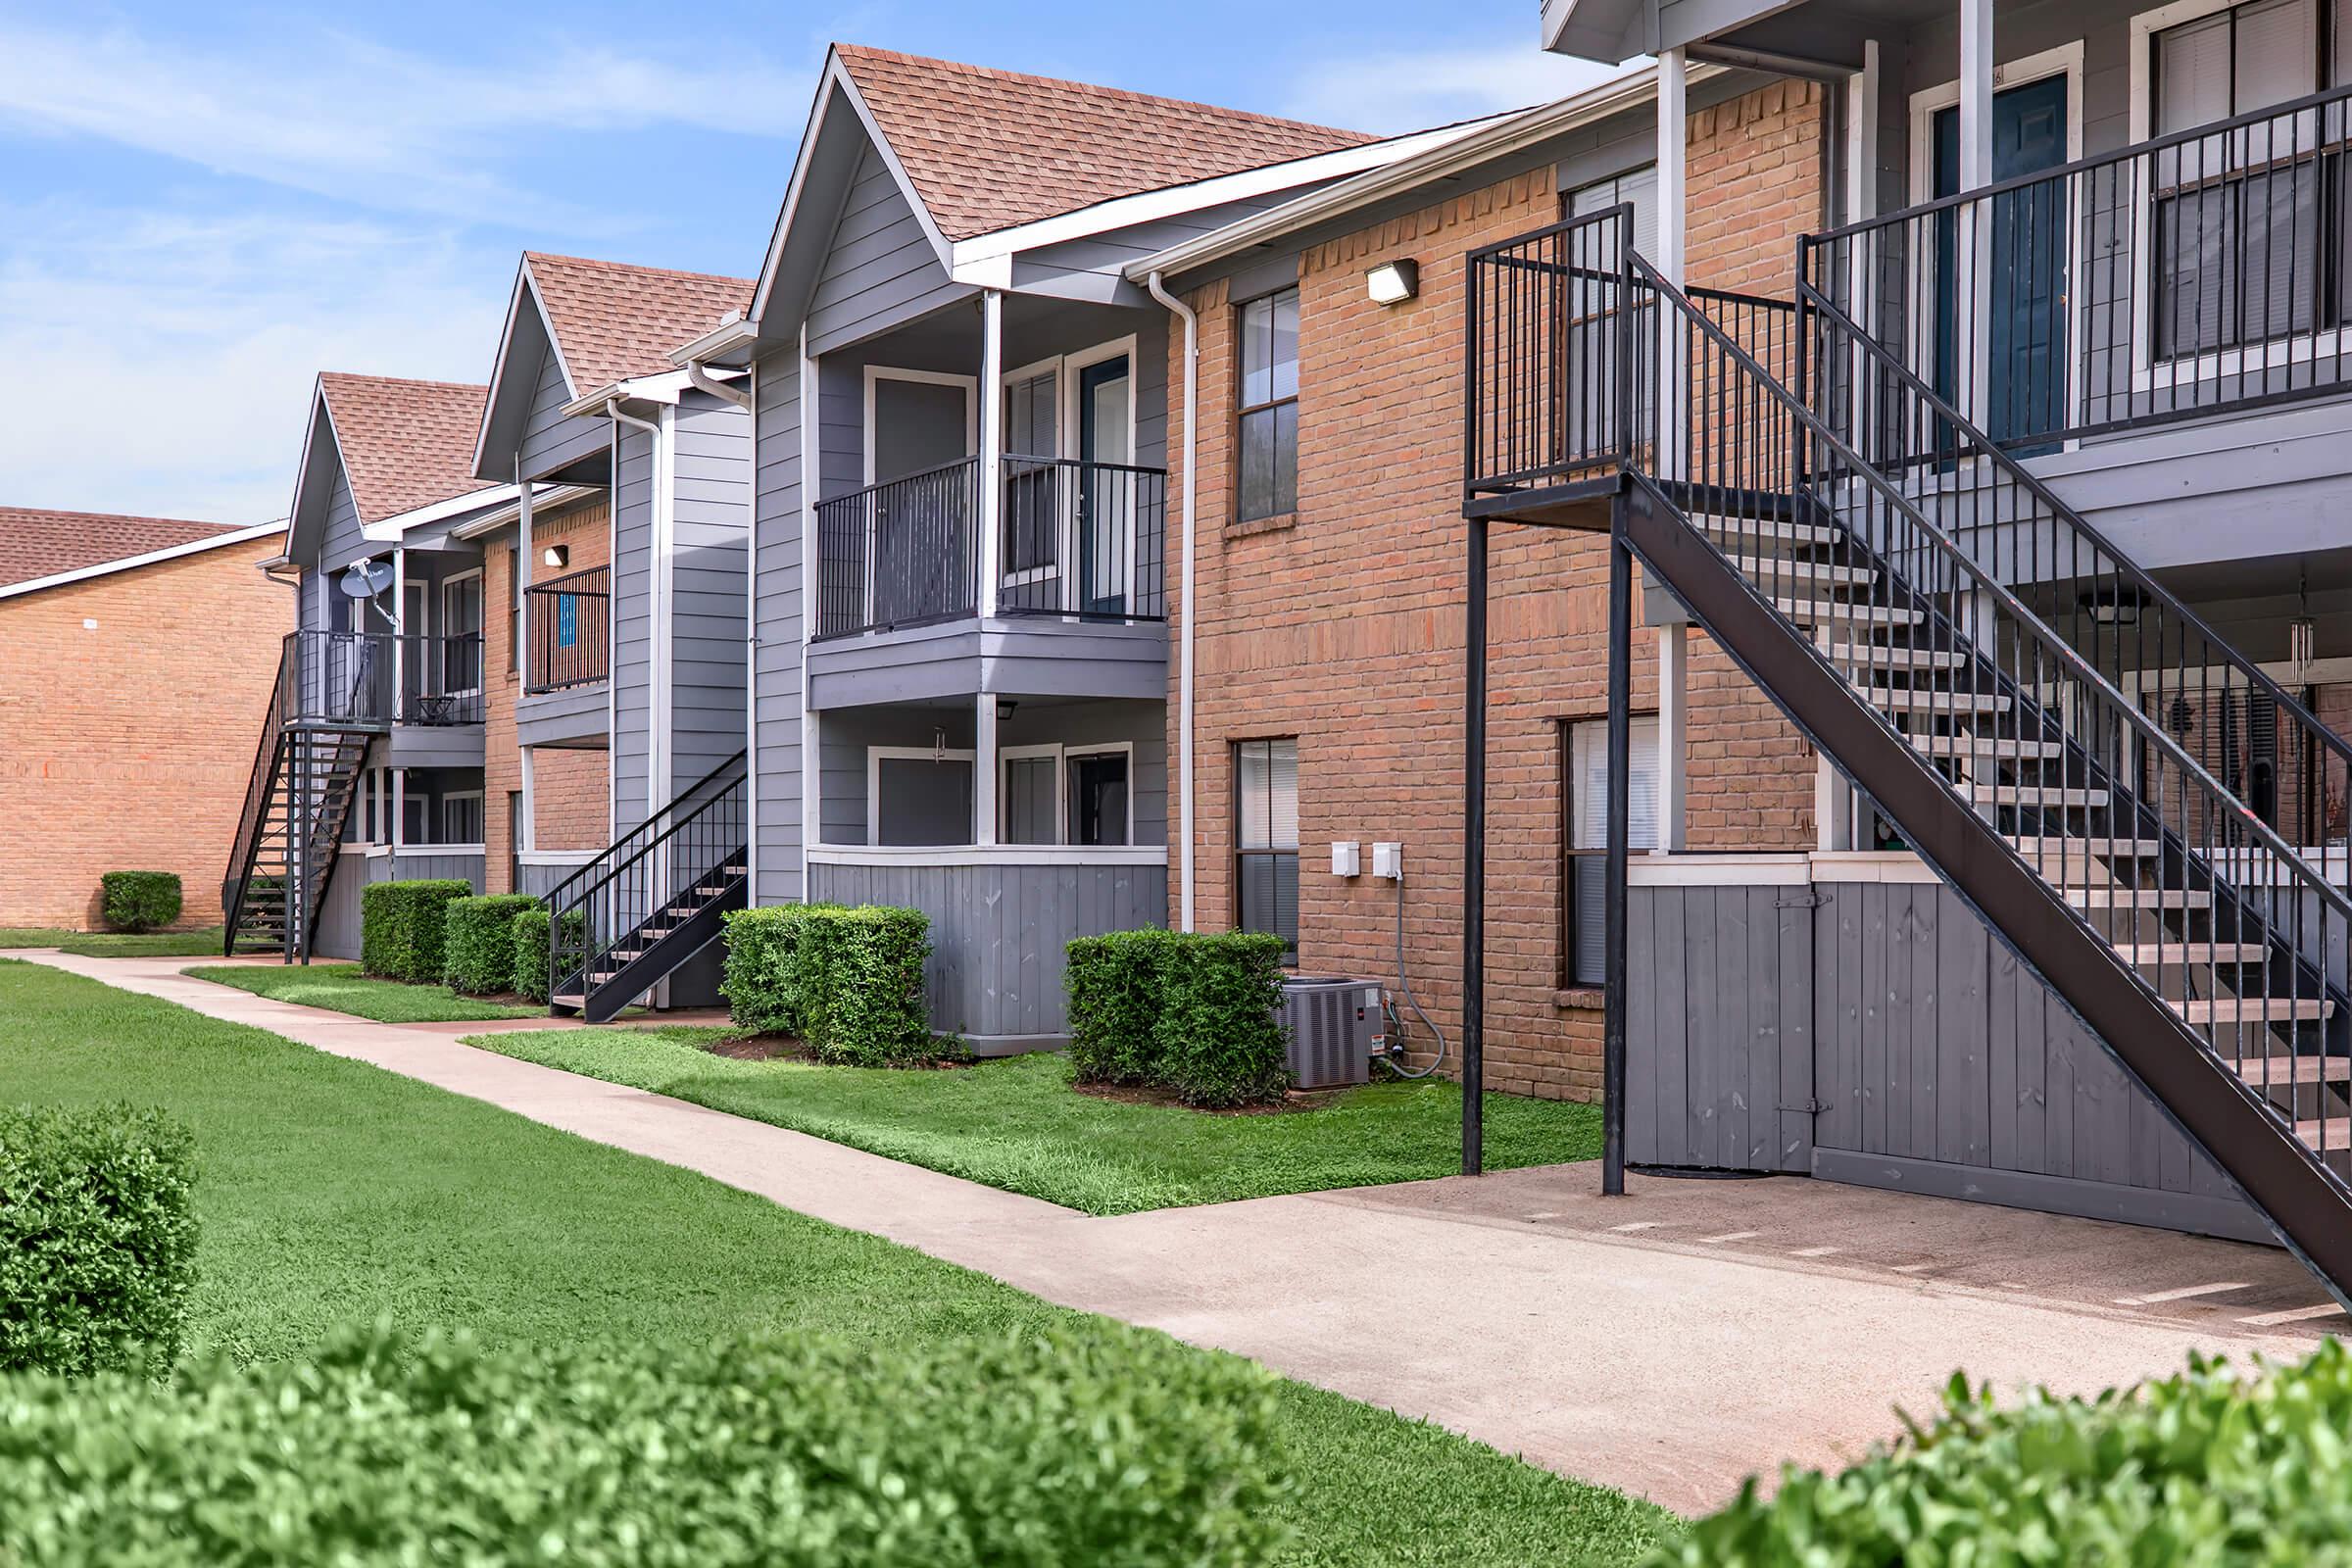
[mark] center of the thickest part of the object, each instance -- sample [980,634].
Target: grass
[1018,1124]
[342,987]
[330,1190]
[114,944]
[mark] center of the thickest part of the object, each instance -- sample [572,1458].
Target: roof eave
[145,557]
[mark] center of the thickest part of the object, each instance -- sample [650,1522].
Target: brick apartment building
[1334,624]
[139,654]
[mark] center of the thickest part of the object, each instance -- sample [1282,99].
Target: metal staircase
[656,898]
[290,831]
[1973,658]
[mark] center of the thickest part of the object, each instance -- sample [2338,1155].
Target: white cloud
[337,116]
[162,360]
[1399,91]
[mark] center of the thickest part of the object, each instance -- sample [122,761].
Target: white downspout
[1184,650]
[702,378]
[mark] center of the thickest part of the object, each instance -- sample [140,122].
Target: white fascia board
[391,529]
[194,547]
[1145,207]
[1497,138]
[544,498]
[731,336]
[666,386]
[525,287]
[302,469]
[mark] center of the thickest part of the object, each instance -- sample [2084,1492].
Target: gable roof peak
[614,321]
[405,443]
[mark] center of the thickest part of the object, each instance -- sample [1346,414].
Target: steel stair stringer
[2306,1204]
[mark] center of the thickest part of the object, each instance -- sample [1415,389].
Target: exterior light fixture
[1004,708]
[1394,282]
[556,555]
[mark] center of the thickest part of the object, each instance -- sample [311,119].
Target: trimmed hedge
[97,1239]
[138,901]
[2204,1467]
[477,941]
[1110,1448]
[1197,1012]
[401,927]
[532,932]
[847,982]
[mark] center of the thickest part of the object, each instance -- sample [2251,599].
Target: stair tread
[2051,846]
[2280,1070]
[2138,898]
[1934,699]
[1813,612]
[1997,746]
[2179,954]
[1890,655]
[1716,522]
[1789,569]
[2254,1010]
[2036,795]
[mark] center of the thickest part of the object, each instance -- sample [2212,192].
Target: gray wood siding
[632,627]
[843,737]
[550,441]
[881,269]
[1938,1061]
[997,933]
[339,917]
[711,532]
[777,625]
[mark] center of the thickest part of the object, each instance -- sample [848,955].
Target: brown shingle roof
[614,323]
[405,444]
[34,543]
[988,149]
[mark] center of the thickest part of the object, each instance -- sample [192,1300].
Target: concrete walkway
[1669,1343]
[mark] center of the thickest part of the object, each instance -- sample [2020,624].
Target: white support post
[522,585]
[400,635]
[992,450]
[984,771]
[528,830]
[1973,290]
[1673,136]
[811,722]
[399,814]
[1674,736]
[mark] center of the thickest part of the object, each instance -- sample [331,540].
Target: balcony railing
[348,678]
[568,630]
[2197,273]
[1078,539]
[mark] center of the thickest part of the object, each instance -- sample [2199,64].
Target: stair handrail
[235,881]
[2063,653]
[575,892]
[2144,587]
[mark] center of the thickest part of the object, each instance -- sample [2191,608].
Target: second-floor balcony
[566,631]
[1071,540]
[377,681]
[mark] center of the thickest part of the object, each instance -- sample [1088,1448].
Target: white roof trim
[734,333]
[523,282]
[194,547]
[1144,207]
[662,386]
[545,497]
[391,529]
[1491,138]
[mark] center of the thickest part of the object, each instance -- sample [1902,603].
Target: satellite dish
[366,579]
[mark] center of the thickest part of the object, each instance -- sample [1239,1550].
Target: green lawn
[1019,1125]
[341,988]
[114,944]
[330,1189]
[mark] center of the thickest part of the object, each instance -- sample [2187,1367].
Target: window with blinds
[1269,408]
[2247,222]
[1265,837]
[1584,836]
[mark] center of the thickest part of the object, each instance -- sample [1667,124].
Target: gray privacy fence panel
[339,917]
[997,932]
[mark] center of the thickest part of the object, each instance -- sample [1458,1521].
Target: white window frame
[2148,374]
[875,755]
[2063,59]
[1125,748]
[443,801]
[1049,365]
[1010,754]
[455,579]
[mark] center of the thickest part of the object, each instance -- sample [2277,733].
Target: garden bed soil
[784,1047]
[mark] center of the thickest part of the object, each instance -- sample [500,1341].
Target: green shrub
[1197,1012]
[97,1239]
[2204,1467]
[1110,1448]
[531,933]
[138,901]
[848,982]
[1115,988]
[477,941]
[401,927]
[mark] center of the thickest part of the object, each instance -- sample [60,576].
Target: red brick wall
[1343,624]
[125,746]
[569,786]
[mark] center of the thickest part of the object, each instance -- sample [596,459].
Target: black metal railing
[1082,539]
[1545,320]
[703,833]
[2195,274]
[441,678]
[900,553]
[349,679]
[568,630]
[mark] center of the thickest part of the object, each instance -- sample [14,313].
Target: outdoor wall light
[1004,708]
[558,556]
[1394,282]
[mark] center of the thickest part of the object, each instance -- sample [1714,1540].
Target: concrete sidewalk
[1669,1343]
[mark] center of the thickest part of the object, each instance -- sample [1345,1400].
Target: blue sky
[200,206]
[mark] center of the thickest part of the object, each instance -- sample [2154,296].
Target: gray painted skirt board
[1884,1036]
[339,917]
[998,934]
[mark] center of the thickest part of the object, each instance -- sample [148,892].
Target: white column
[1673,136]
[811,723]
[992,448]
[528,830]
[984,770]
[1976,93]
[1674,736]
[1972,290]
[522,577]
[400,811]
[400,629]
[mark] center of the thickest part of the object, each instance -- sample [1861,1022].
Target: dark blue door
[2027,248]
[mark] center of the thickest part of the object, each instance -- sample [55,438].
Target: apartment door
[2026,251]
[1107,489]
